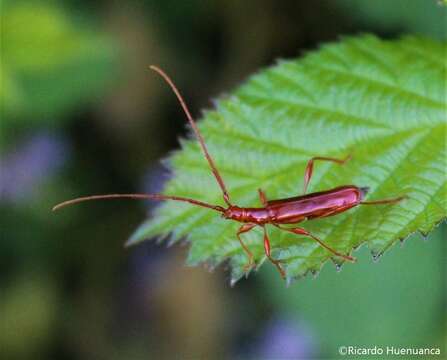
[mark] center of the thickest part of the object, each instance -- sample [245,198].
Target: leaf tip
[233,281]
[133,240]
[376,255]
[129,243]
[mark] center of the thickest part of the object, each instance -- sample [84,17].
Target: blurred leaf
[49,62]
[425,17]
[9,93]
[363,298]
[28,308]
[361,96]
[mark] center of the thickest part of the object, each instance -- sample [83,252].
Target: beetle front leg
[310,167]
[245,228]
[301,231]
[277,263]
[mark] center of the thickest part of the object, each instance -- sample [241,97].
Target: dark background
[81,114]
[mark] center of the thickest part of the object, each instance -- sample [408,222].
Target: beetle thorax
[235,213]
[248,215]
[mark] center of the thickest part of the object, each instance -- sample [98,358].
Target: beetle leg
[310,167]
[277,263]
[301,231]
[245,228]
[262,197]
[384,201]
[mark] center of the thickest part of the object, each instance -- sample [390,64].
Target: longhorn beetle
[274,212]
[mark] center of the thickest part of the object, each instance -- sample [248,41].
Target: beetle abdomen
[319,204]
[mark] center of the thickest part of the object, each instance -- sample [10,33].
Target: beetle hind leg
[384,201]
[310,166]
[262,197]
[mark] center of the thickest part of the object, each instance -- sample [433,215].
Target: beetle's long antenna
[196,131]
[138,196]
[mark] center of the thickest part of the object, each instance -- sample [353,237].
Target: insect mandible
[288,211]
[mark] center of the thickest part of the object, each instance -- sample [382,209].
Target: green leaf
[382,101]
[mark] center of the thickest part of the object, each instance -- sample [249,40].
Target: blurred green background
[81,114]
